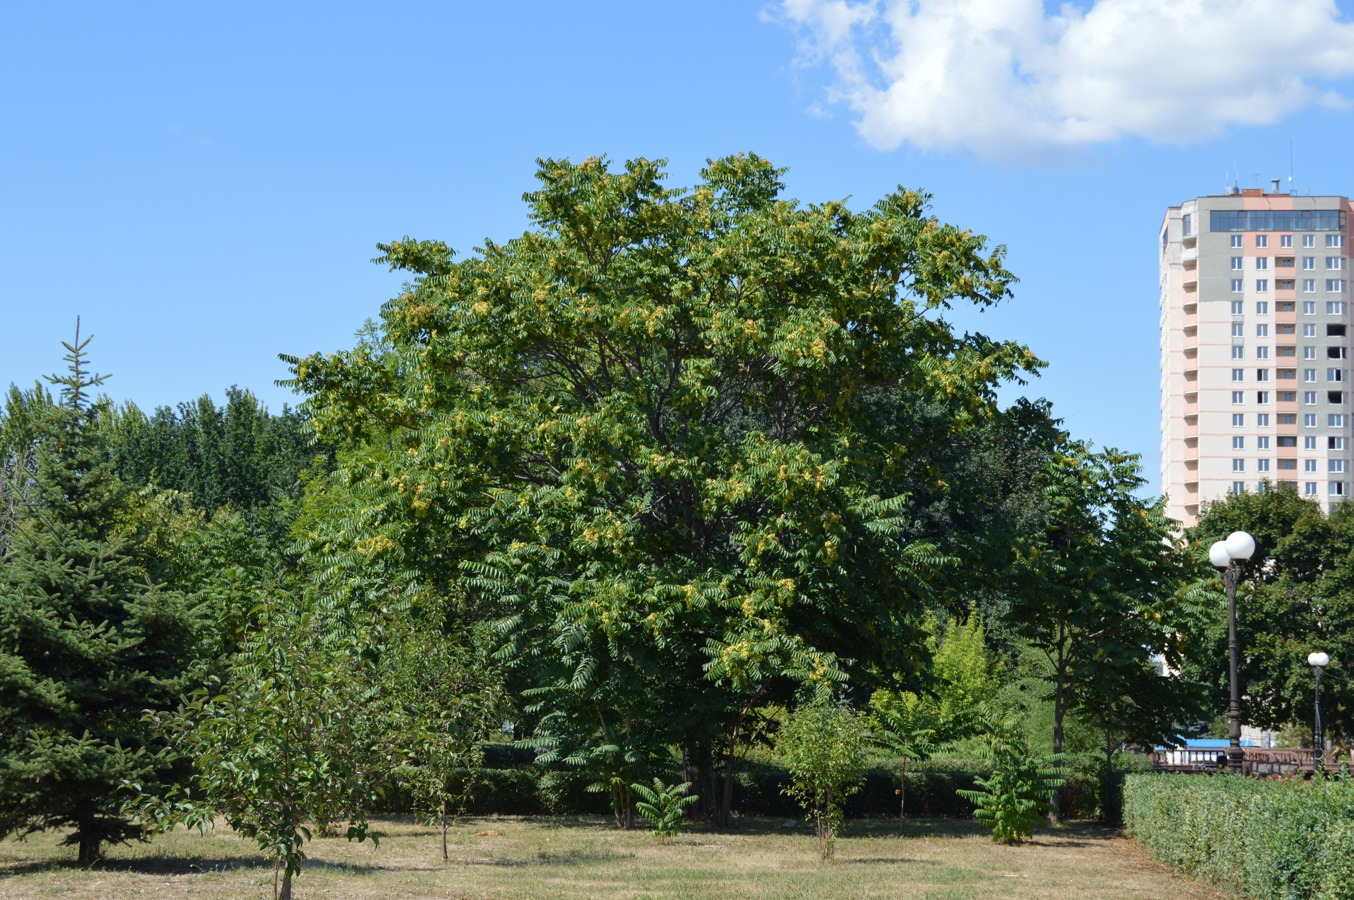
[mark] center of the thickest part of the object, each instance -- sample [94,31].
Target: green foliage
[1296,595]
[1263,838]
[1013,799]
[86,641]
[823,745]
[664,806]
[448,699]
[667,440]
[1099,588]
[298,733]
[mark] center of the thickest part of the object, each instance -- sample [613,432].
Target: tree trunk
[442,809]
[286,885]
[725,818]
[902,796]
[89,839]
[1059,709]
[697,768]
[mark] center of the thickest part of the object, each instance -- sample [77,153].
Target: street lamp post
[1227,555]
[1318,662]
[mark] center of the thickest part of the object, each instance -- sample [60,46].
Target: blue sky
[204,183]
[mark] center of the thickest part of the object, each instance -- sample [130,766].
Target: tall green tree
[668,439]
[86,644]
[1097,585]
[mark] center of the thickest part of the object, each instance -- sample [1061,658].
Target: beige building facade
[1255,331]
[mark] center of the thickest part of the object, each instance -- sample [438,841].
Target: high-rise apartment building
[1255,372]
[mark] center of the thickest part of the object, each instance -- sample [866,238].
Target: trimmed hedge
[1285,838]
[527,789]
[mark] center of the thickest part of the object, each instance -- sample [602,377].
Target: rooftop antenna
[1290,165]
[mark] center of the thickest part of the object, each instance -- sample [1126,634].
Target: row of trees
[669,462]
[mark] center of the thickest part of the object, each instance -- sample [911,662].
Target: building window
[1309,465]
[1290,465]
[1238,443]
[1309,331]
[1334,285]
[1262,353]
[1309,375]
[1238,420]
[1309,263]
[1237,329]
[1238,397]
[1262,240]
[1262,374]
[1261,263]
[1238,351]
[1309,442]
[1309,287]
[1238,374]
[1335,307]
[1335,263]
[1262,420]
[1187,224]
[1238,308]
[1309,398]
[1262,307]
[1335,240]
[1285,419]
[1238,487]
[1335,353]
[1262,465]
[1262,442]
[1284,440]
[1335,330]
[1309,353]
[1337,489]
[1332,465]
[1309,307]
[1335,443]
[1309,240]
[1285,240]
[1238,285]
[1335,420]
[1238,465]
[1288,396]
[1262,285]
[1336,397]
[1262,396]
[1309,488]
[1236,241]
[1236,263]
[1309,420]
[1335,375]
[1262,330]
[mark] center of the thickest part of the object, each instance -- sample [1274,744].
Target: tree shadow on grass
[183,865]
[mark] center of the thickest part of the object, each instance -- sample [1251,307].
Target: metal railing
[1255,761]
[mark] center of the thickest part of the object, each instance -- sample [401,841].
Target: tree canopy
[668,437]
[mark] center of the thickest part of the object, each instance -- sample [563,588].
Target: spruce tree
[86,643]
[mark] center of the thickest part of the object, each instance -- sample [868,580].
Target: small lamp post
[1226,555]
[1318,661]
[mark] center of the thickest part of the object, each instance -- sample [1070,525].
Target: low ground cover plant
[1271,838]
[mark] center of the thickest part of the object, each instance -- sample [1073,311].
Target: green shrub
[1280,838]
[1013,799]
[663,805]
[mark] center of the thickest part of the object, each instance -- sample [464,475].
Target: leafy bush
[663,806]
[1013,799]
[823,746]
[1281,838]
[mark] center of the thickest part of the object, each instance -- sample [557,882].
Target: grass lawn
[581,857]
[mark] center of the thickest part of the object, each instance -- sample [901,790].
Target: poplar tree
[86,643]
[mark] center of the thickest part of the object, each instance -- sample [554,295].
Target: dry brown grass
[513,857]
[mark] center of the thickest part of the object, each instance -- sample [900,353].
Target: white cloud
[1004,77]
